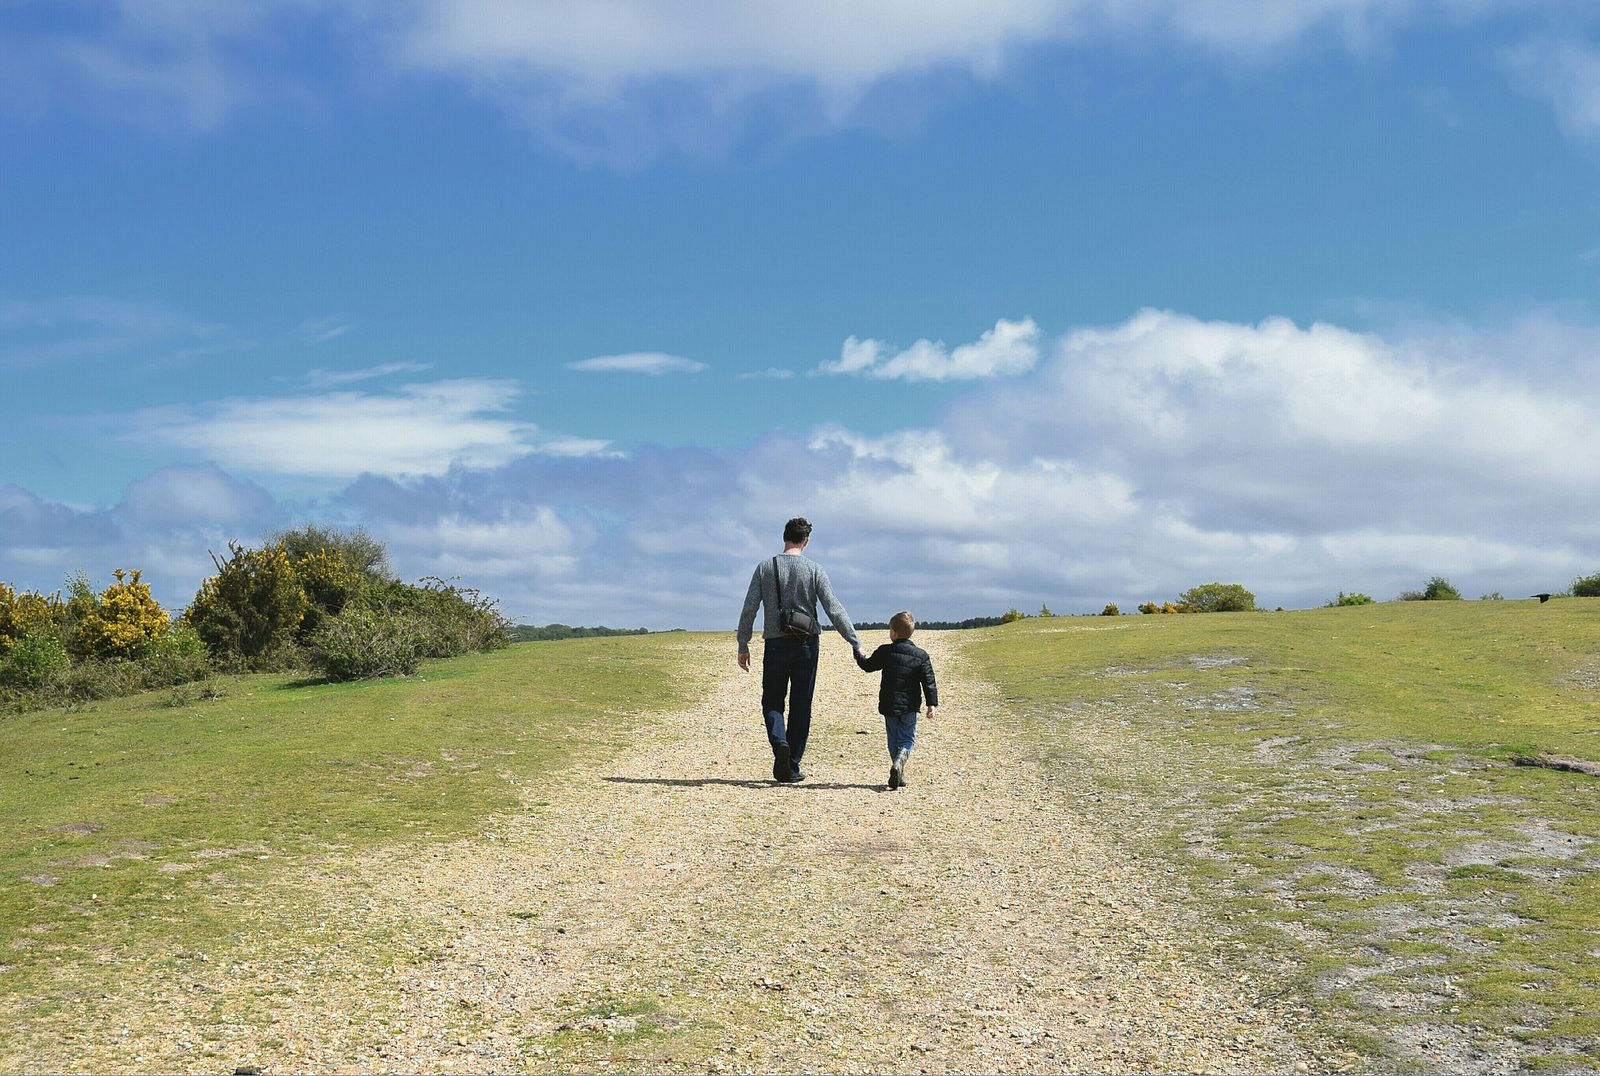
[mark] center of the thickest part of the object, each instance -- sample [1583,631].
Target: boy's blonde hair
[902,624]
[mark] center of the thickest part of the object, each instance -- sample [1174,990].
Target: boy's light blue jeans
[902,730]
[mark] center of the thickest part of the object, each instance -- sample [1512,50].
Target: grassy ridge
[134,826]
[1338,784]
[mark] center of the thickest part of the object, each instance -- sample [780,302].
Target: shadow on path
[701,782]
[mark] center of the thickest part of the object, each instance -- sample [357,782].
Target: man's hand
[931,711]
[744,660]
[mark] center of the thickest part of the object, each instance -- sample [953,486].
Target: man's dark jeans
[789,667]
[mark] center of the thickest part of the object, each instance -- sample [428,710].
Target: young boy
[907,675]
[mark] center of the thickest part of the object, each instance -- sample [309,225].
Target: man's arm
[747,618]
[836,613]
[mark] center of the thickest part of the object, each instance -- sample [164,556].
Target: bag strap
[777,580]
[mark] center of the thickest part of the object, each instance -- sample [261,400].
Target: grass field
[1339,785]
[139,832]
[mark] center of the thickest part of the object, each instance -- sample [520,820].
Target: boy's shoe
[901,762]
[895,778]
[780,762]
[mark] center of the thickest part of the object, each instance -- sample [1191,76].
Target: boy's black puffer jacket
[907,674]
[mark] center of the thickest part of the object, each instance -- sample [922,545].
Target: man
[789,661]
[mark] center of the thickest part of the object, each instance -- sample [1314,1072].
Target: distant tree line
[937,625]
[531,633]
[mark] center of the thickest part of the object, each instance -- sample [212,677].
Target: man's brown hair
[797,530]
[902,624]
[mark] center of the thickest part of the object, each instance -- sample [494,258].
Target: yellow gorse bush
[22,614]
[329,581]
[126,621]
[252,605]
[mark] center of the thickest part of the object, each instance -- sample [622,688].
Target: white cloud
[1008,349]
[771,373]
[322,330]
[67,329]
[624,79]
[651,363]
[189,496]
[1139,459]
[328,379]
[419,429]
[1566,72]
[530,544]
[577,446]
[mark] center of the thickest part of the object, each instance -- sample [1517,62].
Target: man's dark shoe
[796,775]
[780,762]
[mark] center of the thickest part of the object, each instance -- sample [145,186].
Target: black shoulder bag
[794,622]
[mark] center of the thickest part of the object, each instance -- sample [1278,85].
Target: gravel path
[672,910]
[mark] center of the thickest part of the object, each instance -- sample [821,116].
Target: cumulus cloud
[1008,349]
[1254,416]
[1137,460]
[651,363]
[418,429]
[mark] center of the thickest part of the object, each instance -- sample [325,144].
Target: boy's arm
[873,662]
[930,686]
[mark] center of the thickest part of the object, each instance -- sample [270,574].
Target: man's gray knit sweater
[804,584]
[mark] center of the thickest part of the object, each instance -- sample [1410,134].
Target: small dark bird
[1542,598]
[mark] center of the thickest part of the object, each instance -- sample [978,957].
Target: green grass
[1345,790]
[147,824]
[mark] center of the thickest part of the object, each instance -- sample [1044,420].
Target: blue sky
[1069,301]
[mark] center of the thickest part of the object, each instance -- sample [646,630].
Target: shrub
[1011,616]
[1493,596]
[362,643]
[455,620]
[1044,610]
[96,679]
[360,551]
[124,623]
[1410,596]
[1586,586]
[1439,589]
[178,657]
[1217,598]
[251,607]
[1350,599]
[1111,610]
[330,583]
[34,662]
